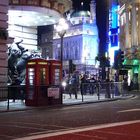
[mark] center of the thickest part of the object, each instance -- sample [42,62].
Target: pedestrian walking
[92,85]
[83,85]
[125,86]
[73,85]
[107,88]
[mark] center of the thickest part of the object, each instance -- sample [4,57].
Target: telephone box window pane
[57,77]
[31,76]
[42,76]
[15,1]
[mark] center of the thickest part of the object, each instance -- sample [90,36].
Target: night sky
[77,4]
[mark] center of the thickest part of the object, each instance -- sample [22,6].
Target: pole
[61,55]
[85,66]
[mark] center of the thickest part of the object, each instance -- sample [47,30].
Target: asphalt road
[20,124]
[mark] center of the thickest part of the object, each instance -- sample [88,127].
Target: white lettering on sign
[53,92]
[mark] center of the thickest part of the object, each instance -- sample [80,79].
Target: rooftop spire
[93,10]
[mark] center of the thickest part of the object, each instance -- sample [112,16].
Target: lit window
[129,15]
[122,23]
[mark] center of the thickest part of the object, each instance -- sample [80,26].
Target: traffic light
[72,67]
[122,57]
[118,59]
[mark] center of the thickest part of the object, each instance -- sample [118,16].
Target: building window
[33,2]
[123,19]
[129,15]
[14,1]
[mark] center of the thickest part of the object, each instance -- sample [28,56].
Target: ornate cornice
[58,5]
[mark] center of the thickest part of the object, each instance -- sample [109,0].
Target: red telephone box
[55,72]
[37,78]
[43,80]
[55,78]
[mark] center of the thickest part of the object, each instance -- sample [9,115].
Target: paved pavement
[20,105]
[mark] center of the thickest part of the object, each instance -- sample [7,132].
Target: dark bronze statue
[18,57]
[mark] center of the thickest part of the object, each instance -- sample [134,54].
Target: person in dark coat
[92,85]
[107,88]
[83,86]
[74,83]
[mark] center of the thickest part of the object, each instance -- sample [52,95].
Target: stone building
[130,37]
[19,19]
[80,41]
[3,42]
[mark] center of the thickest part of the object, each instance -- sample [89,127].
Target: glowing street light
[61,29]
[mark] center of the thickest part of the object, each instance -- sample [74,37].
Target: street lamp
[84,58]
[61,29]
[97,69]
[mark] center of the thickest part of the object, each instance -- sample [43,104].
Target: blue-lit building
[113,30]
[80,41]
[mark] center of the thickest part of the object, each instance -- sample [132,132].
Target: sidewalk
[19,105]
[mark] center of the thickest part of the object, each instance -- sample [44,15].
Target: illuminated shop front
[130,37]
[113,31]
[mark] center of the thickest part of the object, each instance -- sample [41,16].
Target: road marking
[36,124]
[14,124]
[7,136]
[79,130]
[134,97]
[27,127]
[129,110]
[78,107]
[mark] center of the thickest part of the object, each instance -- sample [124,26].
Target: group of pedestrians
[81,83]
[90,84]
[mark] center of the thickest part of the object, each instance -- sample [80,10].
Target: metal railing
[37,93]
[106,89]
[81,92]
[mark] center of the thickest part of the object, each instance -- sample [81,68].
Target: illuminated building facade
[26,15]
[19,19]
[130,36]
[3,43]
[113,29]
[80,41]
